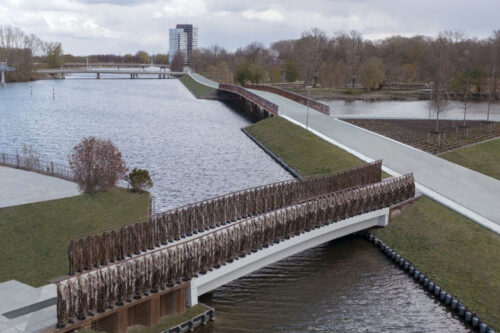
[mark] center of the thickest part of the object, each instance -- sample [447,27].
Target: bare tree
[495,45]
[96,164]
[178,62]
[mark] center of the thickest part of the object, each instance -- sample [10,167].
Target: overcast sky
[125,26]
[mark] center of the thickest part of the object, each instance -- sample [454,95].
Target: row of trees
[21,50]
[454,62]
[140,57]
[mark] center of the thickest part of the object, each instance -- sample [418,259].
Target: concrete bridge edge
[250,263]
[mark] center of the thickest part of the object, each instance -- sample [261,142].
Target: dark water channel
[194,149]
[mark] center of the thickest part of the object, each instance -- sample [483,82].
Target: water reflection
[343,286]
[194,149]
[410,109]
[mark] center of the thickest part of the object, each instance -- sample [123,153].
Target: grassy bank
[458,254]
[482,157]
[303,151]
[170,321]
[35,236]
[197,89]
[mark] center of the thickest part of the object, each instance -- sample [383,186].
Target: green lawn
[303,151]
[34,237]
[197,89]
[459,255]
[172,320]
[482,157]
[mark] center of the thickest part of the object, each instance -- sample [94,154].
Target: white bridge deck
[250,263]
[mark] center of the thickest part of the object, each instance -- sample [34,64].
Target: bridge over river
[204,245]
[134,73]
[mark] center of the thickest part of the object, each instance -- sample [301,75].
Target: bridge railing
[190,219]
[313,104]
[147,273]
[37,165]
[254,98]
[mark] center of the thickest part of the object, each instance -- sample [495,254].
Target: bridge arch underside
[242,104]
[246,265]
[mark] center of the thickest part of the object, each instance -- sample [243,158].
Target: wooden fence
[250,96]
[313,104]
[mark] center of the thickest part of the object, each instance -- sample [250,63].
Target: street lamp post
[430,99]
[308,98]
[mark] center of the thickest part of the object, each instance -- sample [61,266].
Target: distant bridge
[134,74]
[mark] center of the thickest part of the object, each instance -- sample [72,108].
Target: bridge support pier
[250,263]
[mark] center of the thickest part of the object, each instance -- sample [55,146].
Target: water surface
[410,110]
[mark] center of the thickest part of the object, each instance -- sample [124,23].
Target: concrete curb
[446,299]
[190,325]
[285,166]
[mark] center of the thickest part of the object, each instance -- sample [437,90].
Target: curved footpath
[466,191]
[20,187]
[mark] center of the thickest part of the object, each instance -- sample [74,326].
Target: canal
[411,110]
[195,149]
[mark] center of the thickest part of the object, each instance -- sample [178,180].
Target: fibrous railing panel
[115,284]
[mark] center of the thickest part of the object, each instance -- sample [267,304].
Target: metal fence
[37,165]
[256,99]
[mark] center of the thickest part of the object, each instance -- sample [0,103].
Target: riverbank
[434,235]
[197,89]
[357,94]
[35,236]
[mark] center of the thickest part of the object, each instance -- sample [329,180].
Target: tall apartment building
[183,38]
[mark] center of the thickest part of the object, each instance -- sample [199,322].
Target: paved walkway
[20,187]
[26,309]
[472,194]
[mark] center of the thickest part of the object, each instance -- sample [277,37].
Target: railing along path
[135,277]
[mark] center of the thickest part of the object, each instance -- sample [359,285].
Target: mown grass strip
[197,89]
[34,237]
[482,157]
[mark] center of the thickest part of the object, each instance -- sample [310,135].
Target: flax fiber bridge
[140,272]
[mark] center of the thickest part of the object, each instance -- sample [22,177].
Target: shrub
[96,164]
[139,179]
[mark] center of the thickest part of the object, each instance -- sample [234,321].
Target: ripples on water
[410,109]
[193,149]
[343,286]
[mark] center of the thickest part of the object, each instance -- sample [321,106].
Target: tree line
[452,62]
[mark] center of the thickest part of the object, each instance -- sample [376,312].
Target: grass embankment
[34,237]
[197,89]
[171,320]
[482,157]
[302,150]
[458,254]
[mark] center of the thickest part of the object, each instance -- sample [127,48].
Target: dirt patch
[420,133]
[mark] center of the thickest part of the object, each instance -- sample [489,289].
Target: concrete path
[20,187]
[26,309]
[470,193]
